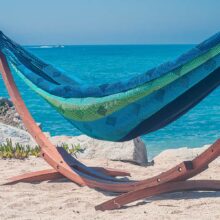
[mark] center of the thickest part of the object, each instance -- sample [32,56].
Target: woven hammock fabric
[124,110]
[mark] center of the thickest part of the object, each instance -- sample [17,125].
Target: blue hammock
[124,110]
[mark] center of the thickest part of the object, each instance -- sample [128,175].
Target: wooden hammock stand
[64,165]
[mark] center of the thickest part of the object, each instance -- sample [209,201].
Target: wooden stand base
[64,165]
[189,185]
[52,174]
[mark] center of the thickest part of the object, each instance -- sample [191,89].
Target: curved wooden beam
[36,176]
[52,174]
[190,185]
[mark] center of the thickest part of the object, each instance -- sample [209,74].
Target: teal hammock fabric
[124,110]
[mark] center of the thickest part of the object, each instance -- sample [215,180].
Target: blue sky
[109,21]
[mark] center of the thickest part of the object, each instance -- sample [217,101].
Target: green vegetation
[18,151]
[74,149]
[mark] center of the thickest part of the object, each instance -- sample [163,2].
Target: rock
[16,115]
[8,114]
[16,135]
[16,120]
[131,151]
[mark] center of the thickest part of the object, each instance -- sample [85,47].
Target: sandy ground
[65,200]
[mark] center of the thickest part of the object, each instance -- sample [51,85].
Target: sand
[65,200]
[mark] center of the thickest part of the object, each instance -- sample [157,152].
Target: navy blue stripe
[177,108]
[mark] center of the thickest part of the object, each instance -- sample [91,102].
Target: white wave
[46,46]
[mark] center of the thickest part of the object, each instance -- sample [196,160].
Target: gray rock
[16,115]
[8,114]
[16,135]
[130,151]
[16,120]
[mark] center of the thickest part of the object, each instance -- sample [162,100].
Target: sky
[37,22]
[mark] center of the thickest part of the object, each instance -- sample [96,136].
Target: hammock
[190,78]
[127,109]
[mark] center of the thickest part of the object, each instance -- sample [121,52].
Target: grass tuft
[73,149]
[18,151]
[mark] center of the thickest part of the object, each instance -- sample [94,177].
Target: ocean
[100,64]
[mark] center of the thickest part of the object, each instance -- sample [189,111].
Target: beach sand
[65,200]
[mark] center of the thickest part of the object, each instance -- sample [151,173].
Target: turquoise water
[98,64]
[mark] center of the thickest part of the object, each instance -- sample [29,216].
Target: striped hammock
[127,109]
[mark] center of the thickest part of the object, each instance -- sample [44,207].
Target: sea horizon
[109,44]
